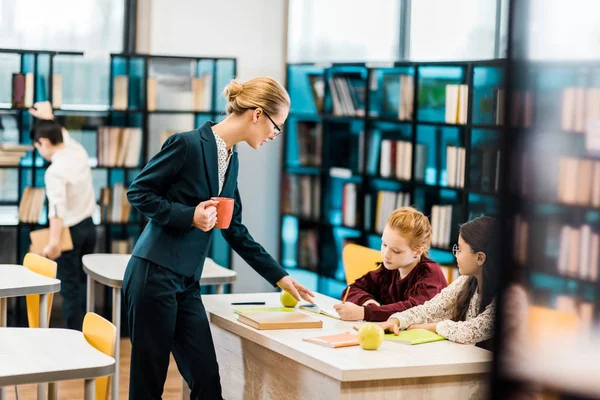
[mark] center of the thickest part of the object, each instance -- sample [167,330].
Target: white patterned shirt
[476,328]
[223,157]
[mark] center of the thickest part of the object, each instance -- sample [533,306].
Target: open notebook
[316,309]
[415,336]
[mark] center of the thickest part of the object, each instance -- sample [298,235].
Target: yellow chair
[358,260]
[102,335]
[42,266]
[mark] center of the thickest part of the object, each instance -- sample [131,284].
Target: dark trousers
[166,314]
[71,275]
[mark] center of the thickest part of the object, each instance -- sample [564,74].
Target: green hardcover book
[415,336]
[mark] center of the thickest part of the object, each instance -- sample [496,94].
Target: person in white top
[71,203]
[463,312]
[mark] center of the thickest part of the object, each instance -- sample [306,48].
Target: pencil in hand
[346,294]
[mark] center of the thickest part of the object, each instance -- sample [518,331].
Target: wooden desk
[280,365]
[109,270]
[50,355]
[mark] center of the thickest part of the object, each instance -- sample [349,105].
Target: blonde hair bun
[233,89]
[260,92]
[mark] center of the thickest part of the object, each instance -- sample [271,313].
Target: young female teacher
[161,289]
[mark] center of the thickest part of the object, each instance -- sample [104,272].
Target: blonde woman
[173,191]
[405,278]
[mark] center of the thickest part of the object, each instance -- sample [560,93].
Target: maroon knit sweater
[395,294]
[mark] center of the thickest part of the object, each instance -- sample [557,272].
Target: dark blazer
[181,175]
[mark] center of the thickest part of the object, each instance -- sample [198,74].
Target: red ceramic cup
[224,211]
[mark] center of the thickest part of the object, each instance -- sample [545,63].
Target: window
[452,30]
[77,25]
[563,30]
[343,30]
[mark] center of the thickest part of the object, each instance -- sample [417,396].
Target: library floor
[72,390]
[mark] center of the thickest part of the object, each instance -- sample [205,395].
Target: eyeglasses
[456,250]
[274,124]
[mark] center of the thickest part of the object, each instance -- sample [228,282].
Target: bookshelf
[362,139]
[553,212]
[120,107]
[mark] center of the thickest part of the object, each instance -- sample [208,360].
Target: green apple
[287,299]
[370,336]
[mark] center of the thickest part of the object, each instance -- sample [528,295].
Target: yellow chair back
[43,266]
[358,260]
[102,335]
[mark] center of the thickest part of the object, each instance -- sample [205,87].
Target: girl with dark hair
[463,312]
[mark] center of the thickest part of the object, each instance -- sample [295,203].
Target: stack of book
[457,104]
[348,96]
[31,205]
[387,202]
[11,154]
[407,92]
[443,218]
[119,147]
[455,166]
[22,90]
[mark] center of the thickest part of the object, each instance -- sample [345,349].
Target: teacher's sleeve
[147,193]
[253,253]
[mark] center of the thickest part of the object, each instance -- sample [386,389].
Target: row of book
[11,154]
[393,158]
[308,249]
[457,104]
[348,96]
[406,97]
[114,206]
[579,182]
[571,251]
[554,178]
[350,195]
[396,159]
[386,203]
[23,89]
[310,143]
[119,147]
[301,196]
[580,106]
[443,219]
[168,92]
[455,166]
[31,205]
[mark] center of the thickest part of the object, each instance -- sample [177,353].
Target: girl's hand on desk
[371,301]
[391,325]
[430,327]
[350,311]
[291,286]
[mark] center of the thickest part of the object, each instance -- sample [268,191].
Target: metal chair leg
[17,392]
